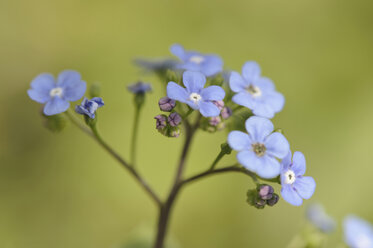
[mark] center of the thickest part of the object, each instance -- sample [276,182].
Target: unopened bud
[214,121]
[174,132]
[271,202]
[219,104]
[161,121]
[166,104]
[226,112]
[265,191]
[174,119]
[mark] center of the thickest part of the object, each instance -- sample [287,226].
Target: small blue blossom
[195,95]
[295,187]
[89,107]
[208,64]
[255,92]
[56,95]
[320,219]
[159,64]
[140,87]
[259,150]
[358,232]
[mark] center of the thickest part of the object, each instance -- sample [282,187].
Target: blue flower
[139,87]
[56,95]
[358,232]
[89,107]
[159,64]
[208,64]
[319,218]
[260,149]
[255,92]
[295,187]
[195,95]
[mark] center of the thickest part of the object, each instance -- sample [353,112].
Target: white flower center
[363,242]
[56,92]
[197,59]
[290,177]
[254,91]
[195,98]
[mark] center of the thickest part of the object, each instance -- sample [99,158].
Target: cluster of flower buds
[261,196]
[168,125]
[217,123]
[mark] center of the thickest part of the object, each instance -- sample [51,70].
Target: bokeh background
[62,190]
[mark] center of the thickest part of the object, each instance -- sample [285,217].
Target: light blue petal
[269,168]
[358,232]
[208,109]
[258,128]
[305,186]
[277,145]
[251,71]
[74,91]
[68,76]
[290,195]
[238,140]
[286,161]
[176,92]
[213,64]
[237,83]
[276,101]
[299,164]
[55,106]
[244,99]
[249,160]
[178,51]
[80,110]
[263,109]
[213,93]
[194,81]
[40,96]
[265,84]
[41,87]
[98,100]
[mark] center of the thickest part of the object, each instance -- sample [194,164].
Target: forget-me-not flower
[295,187]
[319,218]
[195,95]
[259,150]
[89,107]
[208,64]
[56,95]
[256,92]
[139,87]
[358,232]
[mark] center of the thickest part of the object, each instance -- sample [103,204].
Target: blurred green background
[62,190]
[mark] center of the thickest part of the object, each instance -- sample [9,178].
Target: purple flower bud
[219,104]
[260,204]
[166,104]
[271,202]
[174,119]
[265,192]
[161,121]
[174,132]
[214,121]
[226,112]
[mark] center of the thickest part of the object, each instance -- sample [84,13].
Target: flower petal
[251,71]
[178,51]
[299,164]
[212,65]
[244,98]
[357,231]
[238,140]
[277,145]
[269,168]
[208,109]
[194,81]
[55,106]
[236,82]
[73,87]
[276,100]
[213,93]
[286,161]
[263,109]
[98,100]
[41,87]
[249,160]
[290,195]
[176,92]
[68,76]
[265,84]
[258,128]
[305,186]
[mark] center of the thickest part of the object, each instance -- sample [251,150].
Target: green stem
[188,113]
[217,159]
[134,136]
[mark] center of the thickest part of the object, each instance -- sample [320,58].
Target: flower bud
[226,112]
[174,132]
[174,119]
[271,202]
[265,192]
[219,104]
[166,104]
[95,90]
[161,121]
[214,121]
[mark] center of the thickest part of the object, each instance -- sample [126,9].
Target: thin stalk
[217,159]
[134,136]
